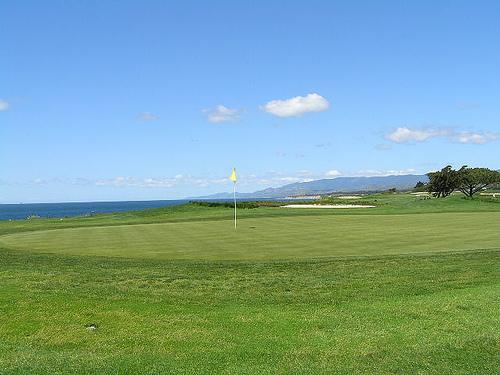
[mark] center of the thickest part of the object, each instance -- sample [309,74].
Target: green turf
[305,236]
[411,287]
[387,204]
[406,314]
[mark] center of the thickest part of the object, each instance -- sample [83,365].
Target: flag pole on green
[233,177]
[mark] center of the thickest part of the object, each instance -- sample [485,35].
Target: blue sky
[138,100]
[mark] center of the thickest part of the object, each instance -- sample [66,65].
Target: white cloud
[249,182]
[176,181]
[400,172]
[474,138]
[281,154]
[152,182]
[297,106]
[369,172]
[134,182]
[405,135]
[147,116]
[4,105]
[334,173]
[305,173]
[299,155]
[118,181]
[219,181]
[390,172]
[222,114]
[251,175]
[289,179]
[275,178]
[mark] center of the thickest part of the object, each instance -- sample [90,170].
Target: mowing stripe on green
[273,237]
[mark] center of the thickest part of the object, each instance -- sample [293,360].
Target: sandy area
[326,206]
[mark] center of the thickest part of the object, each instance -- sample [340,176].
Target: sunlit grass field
[408,287]
[266,238]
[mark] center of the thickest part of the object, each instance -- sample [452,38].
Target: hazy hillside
[332,185]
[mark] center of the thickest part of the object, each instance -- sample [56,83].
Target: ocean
[53,210]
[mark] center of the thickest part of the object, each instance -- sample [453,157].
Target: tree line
[467,180]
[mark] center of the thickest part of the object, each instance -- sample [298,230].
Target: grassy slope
[412,314]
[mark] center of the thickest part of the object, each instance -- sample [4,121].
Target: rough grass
[406,314]
[418,313]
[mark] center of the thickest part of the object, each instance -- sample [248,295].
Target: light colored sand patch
[326,206]
[349,197]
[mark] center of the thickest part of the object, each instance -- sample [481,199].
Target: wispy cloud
[176,181]
[305,173]
[474,138]
[464,106]
[246,181]
[137,182]
[4,105]
[326,144]
[384,147]
[147,116]
[275,178]
[333,173]
[297,106]
[390,172]
[222,114]
[121,182]
[410,135]
[406,135]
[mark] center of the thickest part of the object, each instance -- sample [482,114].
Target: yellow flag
[233,176]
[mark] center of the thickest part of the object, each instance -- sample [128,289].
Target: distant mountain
[330,186]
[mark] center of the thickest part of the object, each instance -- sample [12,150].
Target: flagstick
[234,194]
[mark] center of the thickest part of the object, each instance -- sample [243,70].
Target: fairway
[272,238]
[399,289]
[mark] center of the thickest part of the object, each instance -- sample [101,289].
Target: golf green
[270,238]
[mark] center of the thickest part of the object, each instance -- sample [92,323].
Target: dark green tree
[444,182]
[473,180]
[420,187]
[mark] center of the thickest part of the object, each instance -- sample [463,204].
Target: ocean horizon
[21,211]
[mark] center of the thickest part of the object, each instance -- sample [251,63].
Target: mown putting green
[273,237]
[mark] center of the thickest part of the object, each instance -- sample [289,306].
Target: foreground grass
[406,314]
[278,296]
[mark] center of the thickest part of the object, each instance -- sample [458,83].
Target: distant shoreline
[21,211]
